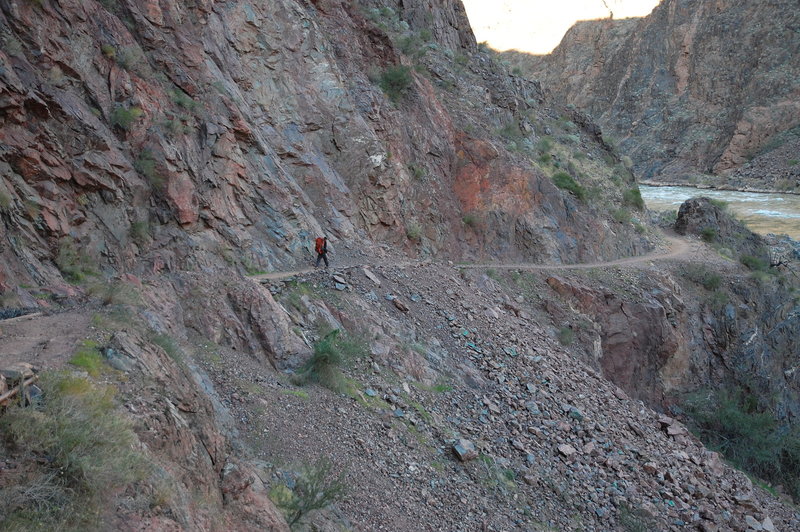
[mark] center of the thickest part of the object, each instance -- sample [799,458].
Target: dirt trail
[678,249]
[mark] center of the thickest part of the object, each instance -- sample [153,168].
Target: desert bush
[140,231]
[5,200]
[544,145]
[708,234]
[511,131]
[132,59]
[733,423]
[754,263]
[470,219]
[124,117]
[182,99]
[108,51]
[145,165]
[88,357]
[566,336]
[74,263]
[622,216]
[417,171]
[414,232]
[627,162]
[718,203]
[565,181]
[395,81]
[316,487]
[83,452]
[633,198]
[168,344]
[702,275]
[331,353]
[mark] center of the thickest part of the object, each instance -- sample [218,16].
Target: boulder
[465,450]
[18,371]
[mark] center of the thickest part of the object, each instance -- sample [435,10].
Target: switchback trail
[678,249]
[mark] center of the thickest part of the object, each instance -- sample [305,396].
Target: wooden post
[19,387]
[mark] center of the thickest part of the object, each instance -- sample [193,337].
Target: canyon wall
[694,88]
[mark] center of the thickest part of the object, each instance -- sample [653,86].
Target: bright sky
[537,26]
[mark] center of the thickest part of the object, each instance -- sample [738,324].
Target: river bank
[723,187]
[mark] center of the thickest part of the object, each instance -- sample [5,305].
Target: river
[762,213]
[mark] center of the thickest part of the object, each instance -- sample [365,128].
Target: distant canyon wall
[696,87]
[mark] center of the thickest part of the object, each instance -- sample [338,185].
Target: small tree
[395,81]
[315,488]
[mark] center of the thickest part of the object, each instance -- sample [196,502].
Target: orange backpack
[320,245]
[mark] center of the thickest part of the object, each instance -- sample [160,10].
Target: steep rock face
[164,136]
[695,87]
[660,336]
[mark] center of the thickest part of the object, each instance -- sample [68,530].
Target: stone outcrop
[694,88]
[701,217]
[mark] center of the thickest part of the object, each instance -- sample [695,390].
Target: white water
[762,213]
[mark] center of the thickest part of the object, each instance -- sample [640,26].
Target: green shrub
[633,198]
[511,131]
[700,274]
[88,357]
[718,203]
[145,164]
[108,51]
[182,99]
[718,299]
[566,336]
[124,117]
[792,162]
[544,145]
[565,181]
[74,263]
[621,216]
[395,81]
[331,352]
[5,200]
[168,344]
[140,231]
[732,423]
[132,59]
[636,519]
[314,488]
[754,263]
[89,455]
[708,234]
[417,171]
[470,220]
[414,232]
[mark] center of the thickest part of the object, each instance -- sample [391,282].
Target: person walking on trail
[321,247]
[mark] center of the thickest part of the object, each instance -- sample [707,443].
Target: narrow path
[679,249]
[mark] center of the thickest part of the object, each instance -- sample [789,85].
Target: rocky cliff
[154,152]
[157,135]
[694,88]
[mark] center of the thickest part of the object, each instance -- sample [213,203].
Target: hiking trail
[678,248]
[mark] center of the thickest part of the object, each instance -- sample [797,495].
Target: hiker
[321,247]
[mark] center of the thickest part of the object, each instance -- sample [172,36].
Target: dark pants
[322,256]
